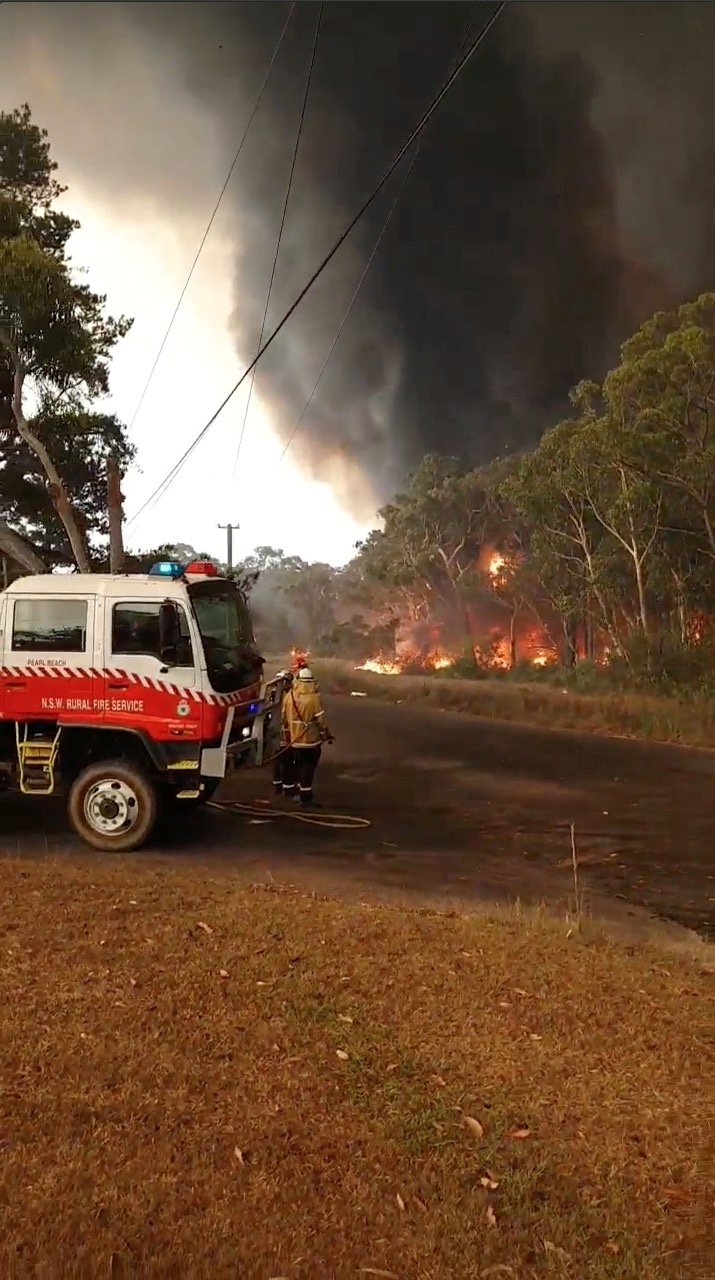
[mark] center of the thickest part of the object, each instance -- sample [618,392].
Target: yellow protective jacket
[304,723]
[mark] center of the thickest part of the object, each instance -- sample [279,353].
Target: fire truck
[131,695]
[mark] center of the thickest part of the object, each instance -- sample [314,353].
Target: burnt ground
[461,810]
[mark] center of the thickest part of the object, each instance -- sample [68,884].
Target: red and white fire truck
[131,694]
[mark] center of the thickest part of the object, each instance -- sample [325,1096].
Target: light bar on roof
[167,569]
[201,569]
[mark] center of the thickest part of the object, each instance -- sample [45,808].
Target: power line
[298,136]
[352,302]
[422,122]
[365,270]
[212,219]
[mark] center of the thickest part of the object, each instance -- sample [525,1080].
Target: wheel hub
[111,806]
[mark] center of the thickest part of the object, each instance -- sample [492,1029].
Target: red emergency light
[201,569]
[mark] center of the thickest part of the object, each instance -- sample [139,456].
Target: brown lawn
[203,1080]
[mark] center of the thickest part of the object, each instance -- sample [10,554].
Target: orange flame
[496,564]
[384,666]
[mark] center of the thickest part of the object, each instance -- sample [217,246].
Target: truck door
[47,671]
[142,690]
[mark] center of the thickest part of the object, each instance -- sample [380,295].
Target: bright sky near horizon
[143,170]
[141,263]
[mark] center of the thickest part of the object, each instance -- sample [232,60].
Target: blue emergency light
[167,569]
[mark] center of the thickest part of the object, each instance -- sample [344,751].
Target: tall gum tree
[55,338]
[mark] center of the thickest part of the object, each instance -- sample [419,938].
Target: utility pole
[115,504]
[229,542]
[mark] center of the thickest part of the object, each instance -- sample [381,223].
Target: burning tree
[600,539]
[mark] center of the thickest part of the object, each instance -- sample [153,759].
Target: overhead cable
[361,281]
[422,122]
[212,219]
[351,304]
[298,136]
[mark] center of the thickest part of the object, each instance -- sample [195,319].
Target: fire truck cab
[130,694]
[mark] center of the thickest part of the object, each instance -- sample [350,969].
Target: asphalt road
[461,809]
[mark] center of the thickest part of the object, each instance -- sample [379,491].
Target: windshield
[232,659]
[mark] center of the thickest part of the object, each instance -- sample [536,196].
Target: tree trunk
[589,638]
[114,507]
[58,493]
[14,546]
[468,631]
[571,647]
[512,639]
[642,605]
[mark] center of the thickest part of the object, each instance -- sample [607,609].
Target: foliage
[78,443]
[55,344]
[606,528]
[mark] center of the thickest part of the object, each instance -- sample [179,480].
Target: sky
[563,192]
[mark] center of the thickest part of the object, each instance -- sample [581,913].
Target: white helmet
[305,673]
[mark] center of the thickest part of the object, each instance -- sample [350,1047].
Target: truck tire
[113,806]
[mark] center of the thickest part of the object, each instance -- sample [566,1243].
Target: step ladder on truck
[132,695]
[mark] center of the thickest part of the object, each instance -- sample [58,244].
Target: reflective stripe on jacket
[304,722]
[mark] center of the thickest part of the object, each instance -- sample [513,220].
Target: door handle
[117,684]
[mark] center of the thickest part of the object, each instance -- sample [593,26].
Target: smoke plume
[562,192]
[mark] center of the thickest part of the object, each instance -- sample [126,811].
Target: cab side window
[50,626]
[135,631]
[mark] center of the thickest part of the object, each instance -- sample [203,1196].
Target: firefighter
[306,729]
[282,774]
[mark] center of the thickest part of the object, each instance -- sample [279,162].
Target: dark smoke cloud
[561,194]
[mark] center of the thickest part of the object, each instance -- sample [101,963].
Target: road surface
[461,809]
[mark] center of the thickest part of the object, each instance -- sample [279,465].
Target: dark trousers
[282,772]
[304,763]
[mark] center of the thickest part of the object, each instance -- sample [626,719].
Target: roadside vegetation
[539,700]
[202,1078]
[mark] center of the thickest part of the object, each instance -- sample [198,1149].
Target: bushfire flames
[406,660]
[495,656]
[495,653]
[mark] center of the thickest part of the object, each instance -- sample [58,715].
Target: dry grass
[632,715]
[200,1080]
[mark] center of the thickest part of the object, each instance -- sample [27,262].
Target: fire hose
[262,809]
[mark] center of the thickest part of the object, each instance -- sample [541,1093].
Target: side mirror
[168,628]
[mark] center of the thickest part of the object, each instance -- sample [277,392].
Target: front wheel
[113,806]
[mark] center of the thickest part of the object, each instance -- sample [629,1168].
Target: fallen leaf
[223,973]
[488,1182]
[439,1081]
[523,1131]
[205,927]
[343,1056]
[491,1217]
[344,1017]
[239,1155]
[132,982]
[474,1126]
[520,991]
[535,1037]
[550,1247]
[400,1203]
[391,1066]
